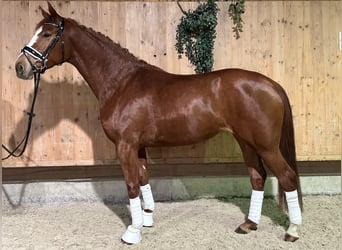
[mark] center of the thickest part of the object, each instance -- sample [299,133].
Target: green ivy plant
[195,34]
[235,10]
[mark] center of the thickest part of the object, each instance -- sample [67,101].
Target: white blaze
[33,39]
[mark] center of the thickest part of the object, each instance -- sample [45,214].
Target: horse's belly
[180,139]
[184,130]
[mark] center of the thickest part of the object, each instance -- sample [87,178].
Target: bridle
[43,57]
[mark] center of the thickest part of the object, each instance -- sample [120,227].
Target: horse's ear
[52,11]
[44,13]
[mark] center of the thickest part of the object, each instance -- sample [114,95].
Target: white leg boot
[255,207]
[133,232]
[148,205]
[295,216]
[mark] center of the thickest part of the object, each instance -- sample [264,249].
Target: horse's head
[46,47]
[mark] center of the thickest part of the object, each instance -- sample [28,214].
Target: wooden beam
[22,174]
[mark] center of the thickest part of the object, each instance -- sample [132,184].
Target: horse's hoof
[148,218]
[239,230]
[292,233]
[290,238]
[131,236]
[125,243]
[246,227]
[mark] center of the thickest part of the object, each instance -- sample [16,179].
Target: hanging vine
[235,11]
[195,34]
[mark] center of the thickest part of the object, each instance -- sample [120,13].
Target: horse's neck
[97,62]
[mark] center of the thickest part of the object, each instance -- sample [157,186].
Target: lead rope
[31,114]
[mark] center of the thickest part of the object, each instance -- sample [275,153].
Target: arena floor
[195,224]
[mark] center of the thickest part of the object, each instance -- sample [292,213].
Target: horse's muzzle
[23,71]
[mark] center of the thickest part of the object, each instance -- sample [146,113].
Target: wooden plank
[306,168]
[295,44]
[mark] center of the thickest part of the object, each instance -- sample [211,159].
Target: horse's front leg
[146,190]
[128,156]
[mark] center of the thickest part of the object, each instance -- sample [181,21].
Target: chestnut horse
[143,106]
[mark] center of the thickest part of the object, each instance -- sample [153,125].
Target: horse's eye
[46,35]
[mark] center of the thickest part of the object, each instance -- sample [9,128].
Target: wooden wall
[293,42]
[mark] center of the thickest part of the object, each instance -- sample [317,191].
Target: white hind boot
[295,216]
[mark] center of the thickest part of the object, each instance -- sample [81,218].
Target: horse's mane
[116,47]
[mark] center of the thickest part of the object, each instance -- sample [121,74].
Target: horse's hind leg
[258,176]
[288,181]
[145,189]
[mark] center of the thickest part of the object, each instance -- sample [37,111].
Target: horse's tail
[288,148]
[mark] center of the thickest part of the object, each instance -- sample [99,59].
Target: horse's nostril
[19,68]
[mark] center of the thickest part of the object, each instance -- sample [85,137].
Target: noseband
[43,57]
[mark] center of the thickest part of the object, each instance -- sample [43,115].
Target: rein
[42,57]
[31,114]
